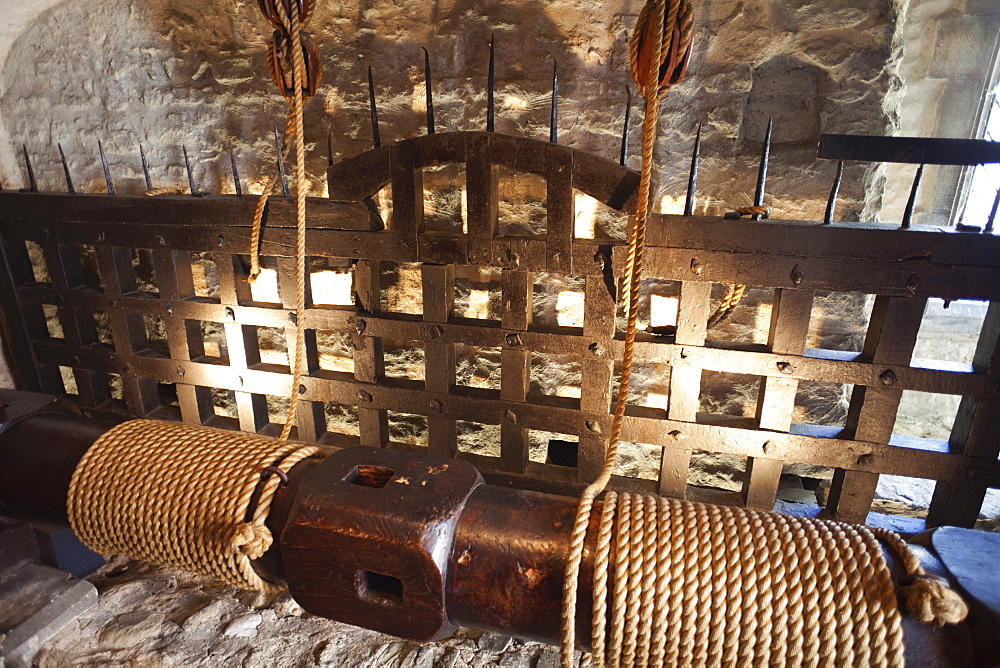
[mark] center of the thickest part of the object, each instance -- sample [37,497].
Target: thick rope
[180,496]
[733,296]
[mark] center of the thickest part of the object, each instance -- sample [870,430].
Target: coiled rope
[181,496]
[693,584]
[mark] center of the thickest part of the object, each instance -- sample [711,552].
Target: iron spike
[236,172]
[145,167]
[376,139]
[908,211]
[554,118]
[758,199]
[490,108]
[187,166]
[281,163]
[429,92]
[627,126]
[993,214]
[107,172]
[69,180]
[693,175]
[831,205]
[329,148]
[32,184]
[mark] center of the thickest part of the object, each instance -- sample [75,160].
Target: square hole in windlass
[445,201]
[331,282]
[403,287]
[557,301]
[478,439]
[145,272]
[596,220]
[404,359]
[839,321]
[522,209]
[39,267]
[408,429]
[748,321]
[478,293]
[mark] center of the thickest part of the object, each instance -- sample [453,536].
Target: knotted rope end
[930,600]
[252,539]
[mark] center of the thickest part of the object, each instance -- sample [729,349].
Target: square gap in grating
[728,398]
[716,470]
[277,411]
[639,460]
[556,375]
[39,267]
[331,281]
[145,272]
[522,210]
[273,346]
[404,359]
[596,220]
[341,419]
[408,429]
[749,321]
[336,351]
[264,288]
[557,301]
[52,321]
[477,367]
[102,323]
[925,415]
[69,380]
[213,340]
[949,333]
[821,403]
[156,335]
[116,387]
[906,499]
[204,276]
[649,385]
[90,275]
[804,484]
[445,199]
[478,293]
[383,202]
[547,447]
[478,439]
[224,403]
[658,306]
[402,288]
[839,321]
[167,394]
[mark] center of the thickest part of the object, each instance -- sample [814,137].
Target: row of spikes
[758,200]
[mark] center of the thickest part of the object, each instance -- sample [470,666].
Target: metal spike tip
[65,165]
[911,202]
[145,167]
[373,109]
[329,148]
[758,199]
[490,107]
[32,184]
[107,172]
[236,172]
[626,127]
[429,92]
[554,118]
[281,162]
[831,204]
[993,214]
[693,175]
[187,166]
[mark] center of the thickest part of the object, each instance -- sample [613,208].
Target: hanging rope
[181,496]
[693,584]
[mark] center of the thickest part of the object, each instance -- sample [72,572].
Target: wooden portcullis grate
[118,276]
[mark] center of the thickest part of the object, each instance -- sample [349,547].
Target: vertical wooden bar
[369,360]
[974,435]
[127,329]
[481,184]
[407,194]
[693,307]
[22,323]
[598,368]
[438,286]
[790,313]
[892,333]
[515,367]
[310,418]
[559,209]
[241,340]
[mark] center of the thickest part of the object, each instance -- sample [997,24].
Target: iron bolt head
[364,396]
[888,377]
[595,349]
[513,340]
[180,371]
[866,459]
[695,266]
[436,405]
[594,426]
[360,326]
[510,416]
[784,367]
[433,333]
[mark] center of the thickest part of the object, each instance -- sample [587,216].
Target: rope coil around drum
[180,496]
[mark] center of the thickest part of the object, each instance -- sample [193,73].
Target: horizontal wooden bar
[915,150]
